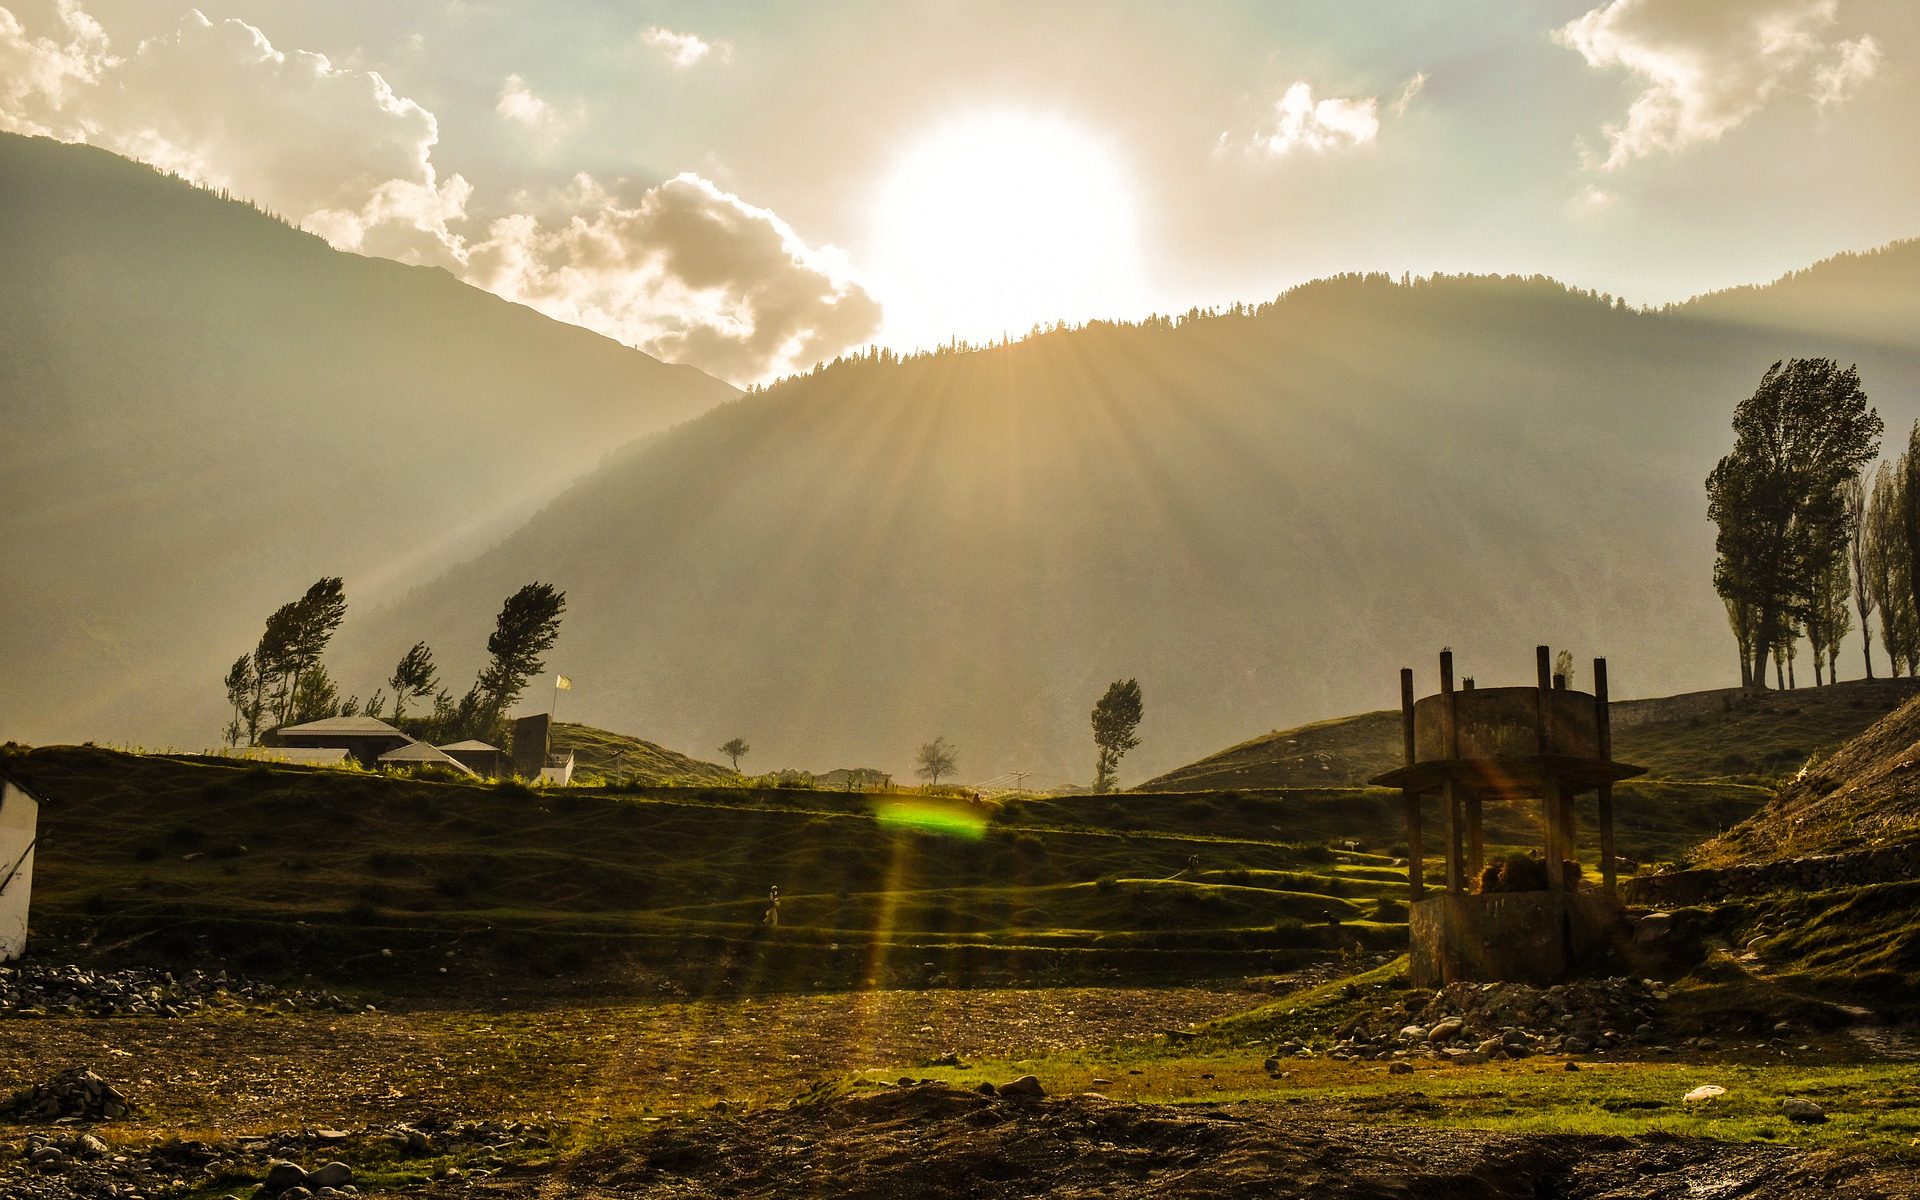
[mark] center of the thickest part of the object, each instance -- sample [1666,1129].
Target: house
[476,756]
[19,832]
[419,754]
[366,738]
[559,769]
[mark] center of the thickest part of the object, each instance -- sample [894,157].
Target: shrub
[1515,873]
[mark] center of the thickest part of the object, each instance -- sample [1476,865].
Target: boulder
[1024,1088]
[1802,1111]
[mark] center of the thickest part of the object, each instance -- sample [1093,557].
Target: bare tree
[1563,666]
[935,759]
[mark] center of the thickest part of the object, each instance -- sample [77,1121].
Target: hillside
[1261,515]
[157,856]
[1762,736]
[202,410]
[618,758]
[1862,795]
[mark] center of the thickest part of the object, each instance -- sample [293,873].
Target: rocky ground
[937,1141]
[58,990]
[1483,1022]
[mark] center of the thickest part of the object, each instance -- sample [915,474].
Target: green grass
[601,756]
[291,869]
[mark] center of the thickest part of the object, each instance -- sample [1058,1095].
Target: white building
[19,829]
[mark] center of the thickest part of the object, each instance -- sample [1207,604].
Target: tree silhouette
[528,625]
[1854,494]
[413,676]
[239,683]
[1776,497]
[1115,717]
[735,749]
[935,759]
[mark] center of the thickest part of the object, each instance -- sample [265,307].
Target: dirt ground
[224,1074]
[937,1141]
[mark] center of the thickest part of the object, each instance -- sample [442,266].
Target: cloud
[1303,123]
[683,270]
[686,271]
[1408,91]
[1706,66]
[1852,64]
[684,50]
[518,103]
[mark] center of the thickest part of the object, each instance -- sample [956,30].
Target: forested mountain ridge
[1260,515]
[202,409]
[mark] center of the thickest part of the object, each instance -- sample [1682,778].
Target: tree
[239,683]
[1888,569]
[735,749]
[1740,620]
[935,759]
[528,625]
[315,698]
[1115,717]
[1776,497]
[413,676]
[315,617]
[1829,620]
[1563,666]
[1854,494]
[272,661]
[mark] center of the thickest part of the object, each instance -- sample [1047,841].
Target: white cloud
[684,50]
[1852,64]
[518,103]
[1303,123]
[1408,91]
[684,270]
[1706,66]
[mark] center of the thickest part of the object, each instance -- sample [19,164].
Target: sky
[754,187]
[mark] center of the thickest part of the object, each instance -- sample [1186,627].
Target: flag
[562,683]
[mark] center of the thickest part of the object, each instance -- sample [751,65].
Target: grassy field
[603,757]
[1761,739]
[291,869]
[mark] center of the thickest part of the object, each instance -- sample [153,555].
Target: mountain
[1260,514]
[203,409]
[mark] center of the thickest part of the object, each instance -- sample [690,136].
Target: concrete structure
[1546,744]
[366,738]
[476,756]
[419,754]
[532,745]
[559,769]
[19,833]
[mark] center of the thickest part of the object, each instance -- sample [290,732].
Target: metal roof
[471,744]
[344,726]
[420,752]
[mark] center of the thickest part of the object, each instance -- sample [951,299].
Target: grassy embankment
[289,869]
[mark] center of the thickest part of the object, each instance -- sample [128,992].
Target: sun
[991,224]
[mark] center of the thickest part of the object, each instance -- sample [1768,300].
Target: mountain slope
[202,410]
[1260,515]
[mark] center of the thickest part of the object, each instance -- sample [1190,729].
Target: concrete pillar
[1604,714]
[1476,841]
[1416,855]
[1450,799]
[1550,815]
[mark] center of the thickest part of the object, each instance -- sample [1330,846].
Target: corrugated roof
[472,744]
[363,726]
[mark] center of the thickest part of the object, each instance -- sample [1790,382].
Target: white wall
[19,825]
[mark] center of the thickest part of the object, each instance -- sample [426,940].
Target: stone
[1401,1067]
[1445,1031]
[282,1175]
[1802,1111]
[985,1088]
[1024,1088]
[333,1175]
